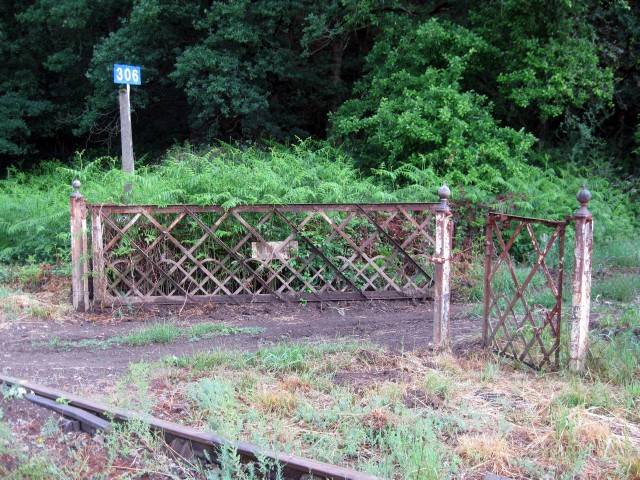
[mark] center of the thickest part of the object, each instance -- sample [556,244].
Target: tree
[21,100]
[51,44]
[275,68]
[411,107]
[152,35]
[247,77]
[550,77]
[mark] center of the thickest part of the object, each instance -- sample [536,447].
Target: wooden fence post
[126,135]
[442,261]
[79,270]
[97,271]
[581,283]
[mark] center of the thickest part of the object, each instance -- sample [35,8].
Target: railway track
[90,416]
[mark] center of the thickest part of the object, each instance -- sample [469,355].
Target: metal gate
[523,288]
[180,253]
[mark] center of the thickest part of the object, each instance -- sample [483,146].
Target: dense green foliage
[514,104]
[34,212]
[483,76]
[34,206]
[413,109]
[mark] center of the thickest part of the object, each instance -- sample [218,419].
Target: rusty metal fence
[523,288]
[261,252]
[145,254]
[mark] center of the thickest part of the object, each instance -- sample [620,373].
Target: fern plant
[34,206]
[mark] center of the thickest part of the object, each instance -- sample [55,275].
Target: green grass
[297,357]
[158,333]
[6,292]
[619,253]
[407,443]
[615,359]
[424,421]
[614,347]
[400,415]
[93,344]
[210,330]
[618,288]
[204,361]
[279,358]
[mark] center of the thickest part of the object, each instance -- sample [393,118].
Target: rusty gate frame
[581,299]
[88,265]
[103,218]
[82,271]
[552,318]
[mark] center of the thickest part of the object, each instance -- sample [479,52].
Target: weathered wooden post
[442,261]
[97,269]
[79,270]
[126,134]
[581,282]
[126,75]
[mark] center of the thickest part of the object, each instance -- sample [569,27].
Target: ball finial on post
[76,189]
[444,193]
[581,302]
[583,197]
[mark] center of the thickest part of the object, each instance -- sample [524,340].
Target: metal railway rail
[183,441]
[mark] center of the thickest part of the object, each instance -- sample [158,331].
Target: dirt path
[25,350]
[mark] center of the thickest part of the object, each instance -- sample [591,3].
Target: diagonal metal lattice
[185,253]
[523,288]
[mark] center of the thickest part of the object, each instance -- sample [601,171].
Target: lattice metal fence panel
[523,288]
[261,253]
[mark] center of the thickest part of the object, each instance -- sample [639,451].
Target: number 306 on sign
[127,74]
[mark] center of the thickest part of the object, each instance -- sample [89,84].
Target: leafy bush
[415,121]
[529,191]
[413,109]
[33,216]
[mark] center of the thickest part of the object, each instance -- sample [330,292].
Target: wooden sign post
[127,75]
[126,134]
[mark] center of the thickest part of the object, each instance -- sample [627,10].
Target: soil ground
[92,372]
[397,325]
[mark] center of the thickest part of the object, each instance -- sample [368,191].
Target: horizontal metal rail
[179,437]
[291,207]
[269,298]
[506,218]
[88,421]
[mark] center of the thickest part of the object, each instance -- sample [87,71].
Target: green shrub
[412,108]
[417,120]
